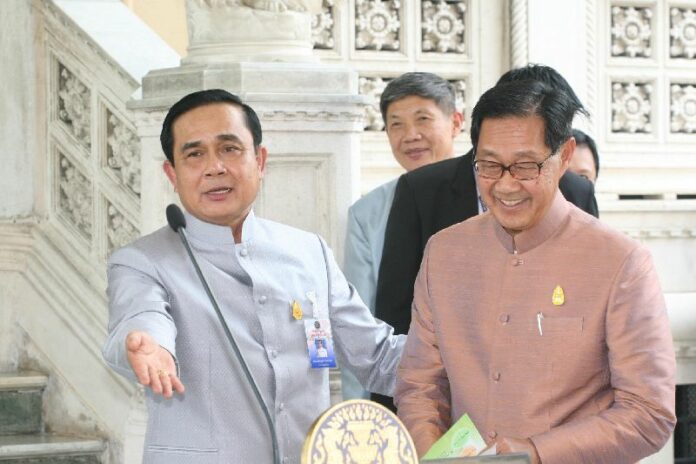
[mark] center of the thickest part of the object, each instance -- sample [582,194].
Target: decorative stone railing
[92,152]
[88,203]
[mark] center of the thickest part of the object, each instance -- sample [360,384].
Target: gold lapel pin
[296,310]
[558,297]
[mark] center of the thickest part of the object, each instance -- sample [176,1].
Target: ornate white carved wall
[645,126]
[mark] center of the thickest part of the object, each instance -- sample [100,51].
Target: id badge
[320,343]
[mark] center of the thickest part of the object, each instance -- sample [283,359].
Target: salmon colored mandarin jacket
[589,380]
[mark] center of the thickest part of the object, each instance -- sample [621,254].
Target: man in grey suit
[421,123]
[279,290]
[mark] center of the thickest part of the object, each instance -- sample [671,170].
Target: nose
[215,166]
[412,133]
[507,183]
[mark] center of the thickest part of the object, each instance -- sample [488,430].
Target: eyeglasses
[528,170]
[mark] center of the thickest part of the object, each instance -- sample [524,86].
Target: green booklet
[462,439]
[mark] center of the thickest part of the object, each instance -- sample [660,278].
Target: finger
[155,383]
[165,379]
[502,446]
[141,371]
[177,385]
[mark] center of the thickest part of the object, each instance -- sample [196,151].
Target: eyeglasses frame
[508,168]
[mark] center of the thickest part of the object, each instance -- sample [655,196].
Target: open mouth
[219,191]
[218,194]
[510,203]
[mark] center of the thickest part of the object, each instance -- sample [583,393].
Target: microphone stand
[177,221]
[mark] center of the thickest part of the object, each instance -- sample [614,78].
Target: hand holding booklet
[462,439]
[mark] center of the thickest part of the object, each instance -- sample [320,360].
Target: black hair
[547,75]
[582,138]
[421,84]
[528,98]
[202,98]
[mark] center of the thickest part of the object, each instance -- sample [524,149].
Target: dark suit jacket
[426,201]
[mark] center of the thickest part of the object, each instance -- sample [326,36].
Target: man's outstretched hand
[153,365]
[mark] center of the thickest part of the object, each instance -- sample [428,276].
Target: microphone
[177,222]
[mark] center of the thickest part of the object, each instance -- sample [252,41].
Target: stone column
[310,112]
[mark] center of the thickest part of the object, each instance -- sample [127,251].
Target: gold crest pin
[296,310]
[558,297]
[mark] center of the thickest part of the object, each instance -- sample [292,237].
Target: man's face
[216,171]
[519,204]
[582,163]
[420,132]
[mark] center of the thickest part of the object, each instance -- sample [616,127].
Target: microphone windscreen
[175,217]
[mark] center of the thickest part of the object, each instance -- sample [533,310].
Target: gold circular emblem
[360,432]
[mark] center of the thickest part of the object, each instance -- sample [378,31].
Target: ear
[567,150]
[170,172]
[261,156]
[457,123]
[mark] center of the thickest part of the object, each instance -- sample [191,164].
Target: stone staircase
[23,439]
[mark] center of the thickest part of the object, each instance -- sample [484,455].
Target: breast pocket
[563,339]
[559,327]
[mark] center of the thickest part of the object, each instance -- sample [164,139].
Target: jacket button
[504,318]
[496,376]
[262,299]
[244,252]
[492,434]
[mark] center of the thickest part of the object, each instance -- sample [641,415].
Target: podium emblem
[358,431]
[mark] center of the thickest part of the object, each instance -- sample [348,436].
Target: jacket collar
[555,217]
[213,234]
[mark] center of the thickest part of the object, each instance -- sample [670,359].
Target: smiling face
[519,204]
[420,132]
[216,171]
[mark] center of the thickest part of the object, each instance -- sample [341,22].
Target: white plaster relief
[234,30]
[372,87]
[326,116]
[460,95]
[123,153]
[631,107]
[120,231]
[682,33]
[519,34]
[683,108]
[631,31]
[75,197]
[323,27]
[377,25]
[591,56]
[74,107]
[443,26]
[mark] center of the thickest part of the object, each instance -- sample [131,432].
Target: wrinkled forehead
[512,133]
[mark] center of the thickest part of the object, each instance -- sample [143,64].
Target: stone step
[20,402]
[49,449]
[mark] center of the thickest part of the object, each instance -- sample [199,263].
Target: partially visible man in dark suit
[437,196]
